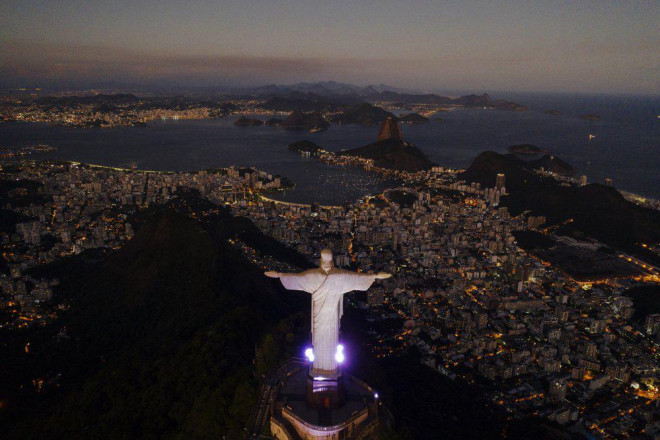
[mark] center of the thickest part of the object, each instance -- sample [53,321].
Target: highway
[302,205]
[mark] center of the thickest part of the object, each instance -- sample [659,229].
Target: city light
[465,293]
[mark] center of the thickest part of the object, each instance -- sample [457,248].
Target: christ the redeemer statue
[327,285]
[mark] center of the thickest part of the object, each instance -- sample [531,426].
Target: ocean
[625,144]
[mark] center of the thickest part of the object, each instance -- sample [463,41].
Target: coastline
[199,144]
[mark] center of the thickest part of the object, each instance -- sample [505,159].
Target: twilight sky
[578,46]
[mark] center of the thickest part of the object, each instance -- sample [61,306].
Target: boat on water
[317,129]
[592,136]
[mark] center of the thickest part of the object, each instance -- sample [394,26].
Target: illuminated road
[302,205]
[640,264]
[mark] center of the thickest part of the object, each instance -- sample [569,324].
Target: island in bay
[525,149]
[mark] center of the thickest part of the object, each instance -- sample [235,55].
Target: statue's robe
[327,289]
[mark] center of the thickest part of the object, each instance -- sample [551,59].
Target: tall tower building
[608,181]
[499,181]
[583,180]
[652,324]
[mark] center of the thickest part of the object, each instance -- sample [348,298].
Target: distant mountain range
[305,97]
[323,88]
[321,95]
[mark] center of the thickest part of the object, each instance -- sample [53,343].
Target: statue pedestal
[325,393]
[335,408]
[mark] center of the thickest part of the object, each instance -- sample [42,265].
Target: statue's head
[326,259]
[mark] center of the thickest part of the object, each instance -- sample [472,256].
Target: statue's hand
[383,275]
[272,274]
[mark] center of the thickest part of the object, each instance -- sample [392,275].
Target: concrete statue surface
[327,285]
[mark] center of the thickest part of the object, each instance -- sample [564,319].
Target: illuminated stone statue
[327,285]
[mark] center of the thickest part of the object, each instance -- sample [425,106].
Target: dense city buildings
[464,295]
[63,209]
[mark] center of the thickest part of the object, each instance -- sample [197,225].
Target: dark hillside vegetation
[393,154]
[160,337]
[593,210]
[646,298]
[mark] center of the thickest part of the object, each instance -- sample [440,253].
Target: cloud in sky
[63,65]
[555,45]
[76,66]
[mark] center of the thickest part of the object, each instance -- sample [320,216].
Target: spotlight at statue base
[313,406]
[339,354]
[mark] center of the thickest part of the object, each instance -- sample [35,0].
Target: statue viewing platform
[293,418]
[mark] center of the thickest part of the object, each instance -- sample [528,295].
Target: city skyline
[606,47]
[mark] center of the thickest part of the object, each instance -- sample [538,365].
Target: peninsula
[391,151]
[305,146]
[413,118]
[248,122]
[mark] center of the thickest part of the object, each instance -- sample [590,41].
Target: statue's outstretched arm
[361,281]
[307,281]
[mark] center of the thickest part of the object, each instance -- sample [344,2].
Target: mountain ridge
[325,94]
[393,154]
[164,336]
[594,210]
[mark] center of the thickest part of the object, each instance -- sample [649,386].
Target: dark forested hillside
[593,210]
[158,341]
[393,154]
